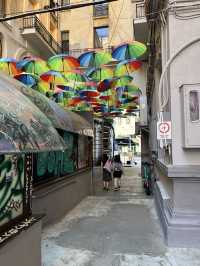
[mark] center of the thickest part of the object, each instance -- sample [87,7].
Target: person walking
[107,170]
[117,172]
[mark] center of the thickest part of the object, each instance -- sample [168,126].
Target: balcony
[140,23]
[78,52]
[140,10]
[39,37]
[100,11]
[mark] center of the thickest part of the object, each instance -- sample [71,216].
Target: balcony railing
[100,10]
[140,10]
[34,22]
[78,52]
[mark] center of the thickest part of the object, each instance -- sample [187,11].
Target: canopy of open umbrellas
[97,81]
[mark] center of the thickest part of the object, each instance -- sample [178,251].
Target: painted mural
[56,163]
[12,184]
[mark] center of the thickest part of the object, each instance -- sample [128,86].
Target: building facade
[174,96]
[37,35]
[99,26]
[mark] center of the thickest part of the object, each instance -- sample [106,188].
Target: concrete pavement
[113,229]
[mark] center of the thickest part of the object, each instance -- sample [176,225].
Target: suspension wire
[54,9]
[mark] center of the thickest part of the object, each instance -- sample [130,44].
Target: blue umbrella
[28,79]
[94,59]
[129,51]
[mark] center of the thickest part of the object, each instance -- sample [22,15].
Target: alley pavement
[115,228]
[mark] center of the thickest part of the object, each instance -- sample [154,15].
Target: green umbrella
[94,59]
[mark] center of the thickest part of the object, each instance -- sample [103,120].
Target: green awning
[23,127]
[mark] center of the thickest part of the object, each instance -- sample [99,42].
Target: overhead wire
[113,32]
[54,9]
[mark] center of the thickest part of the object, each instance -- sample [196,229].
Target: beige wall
[13,6]
[80,23]
[121,21]
[14,44]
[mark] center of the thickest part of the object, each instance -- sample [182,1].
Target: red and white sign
[164,130]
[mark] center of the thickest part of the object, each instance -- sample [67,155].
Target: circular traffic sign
[164,128]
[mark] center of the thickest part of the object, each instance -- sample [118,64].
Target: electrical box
[190,94]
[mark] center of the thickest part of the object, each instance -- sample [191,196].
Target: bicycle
[147,178]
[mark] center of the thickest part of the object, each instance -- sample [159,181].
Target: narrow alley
[113,229]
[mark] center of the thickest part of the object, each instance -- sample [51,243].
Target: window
[100,10]
[2,8]
[101,37]
[194,106]
[65,2]
[65,41]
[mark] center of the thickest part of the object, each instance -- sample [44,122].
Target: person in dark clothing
[106,164]
[117,168]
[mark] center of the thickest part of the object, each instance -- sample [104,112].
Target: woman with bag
[117,172]
[107,169]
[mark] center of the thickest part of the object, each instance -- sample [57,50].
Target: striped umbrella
[94,59]
[63,63]
[34,65]
[127,67]
[129,51]
[99,74]
[9,66]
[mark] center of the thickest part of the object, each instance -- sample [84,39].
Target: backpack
[117,167]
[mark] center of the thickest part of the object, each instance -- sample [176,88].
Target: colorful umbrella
[65,88]
[99,74]
[27,78]
[9,66]
[129,51]
[94,59]
[33,65]
[132,90]
[63,62]
[74,101]
[127,67]
[123,81]
[83,106]
[54,77]
[89,92]
[75,75]
[78,80]
[107,84]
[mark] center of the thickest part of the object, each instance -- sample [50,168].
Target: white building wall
[184,70]
[140,80]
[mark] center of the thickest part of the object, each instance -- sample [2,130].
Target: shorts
[106,175]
